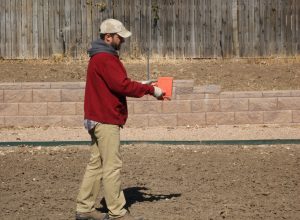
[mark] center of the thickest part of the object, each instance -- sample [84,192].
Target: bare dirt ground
[232,75]
[160,182]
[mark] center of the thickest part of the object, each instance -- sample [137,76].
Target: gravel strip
[251,132]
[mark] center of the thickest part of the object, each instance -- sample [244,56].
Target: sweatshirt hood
[99,46]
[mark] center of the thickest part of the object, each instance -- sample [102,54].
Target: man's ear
[108,38]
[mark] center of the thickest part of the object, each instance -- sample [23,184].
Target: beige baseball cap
[111,26]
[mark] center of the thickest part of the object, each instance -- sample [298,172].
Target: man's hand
[158,93]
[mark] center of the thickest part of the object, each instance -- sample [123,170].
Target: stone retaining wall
[61,104]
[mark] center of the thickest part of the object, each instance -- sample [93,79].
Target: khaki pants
[105,164]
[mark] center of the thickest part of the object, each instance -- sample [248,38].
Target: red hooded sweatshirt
[107,86]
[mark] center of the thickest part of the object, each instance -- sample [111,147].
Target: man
[105,111]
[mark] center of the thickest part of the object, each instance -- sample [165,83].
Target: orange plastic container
[166,84]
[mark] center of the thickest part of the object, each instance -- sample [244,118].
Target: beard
[116,46]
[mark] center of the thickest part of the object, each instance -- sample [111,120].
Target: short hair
[102,36]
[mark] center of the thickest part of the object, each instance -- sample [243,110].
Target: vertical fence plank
[83,26]
[278,28]
[261,27]
[72,42]
[198,25]
[23,29]
[3,29]
[29,33]
[192,29]
[40,28]
[89,21]
[273,27]
[62,25]
[57,42]
[223,29]
[175,25]
[294,27]
[283,27]
[14,29]
[289,33]
[35,36]
[45,41]
[51,29]
[180,29]
[298,26]
[78,31]
[267,27]
[126,19]
[67,26]
[251,33]
[235,27]
[8,36]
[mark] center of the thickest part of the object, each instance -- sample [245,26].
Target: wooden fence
[174,28]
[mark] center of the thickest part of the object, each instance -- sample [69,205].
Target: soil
[231,75]
[160,182]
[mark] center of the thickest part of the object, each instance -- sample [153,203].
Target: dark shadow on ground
[138,194]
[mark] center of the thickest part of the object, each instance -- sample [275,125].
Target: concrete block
[249,117]
[183,90]
[189,96]
[250,94]
[35,85]
[262,104]
[144,98]
[296,116]
[277,117]
[206,105]
[220,118]
[192,119]
[65,85]
[46,95]
[1,96]
[183,83]
[224,95]
[130,107]
[79,108]
[147,107]
[295,93]
[289,103]
[18,95]
[18,121]
[72,95]
[137,120]
[47,120]
[286,93]
[176,106]
[82,85]
[209,89]
[32,109]
[148,98]
[162,120]
[72,121]
[2,122]
[9,109]
[10,86]
[211,96]
[232,105]
[63,108]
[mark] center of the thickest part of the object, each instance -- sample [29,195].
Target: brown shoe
[94,215]
[128,216]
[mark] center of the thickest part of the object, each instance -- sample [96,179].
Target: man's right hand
[158,93]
